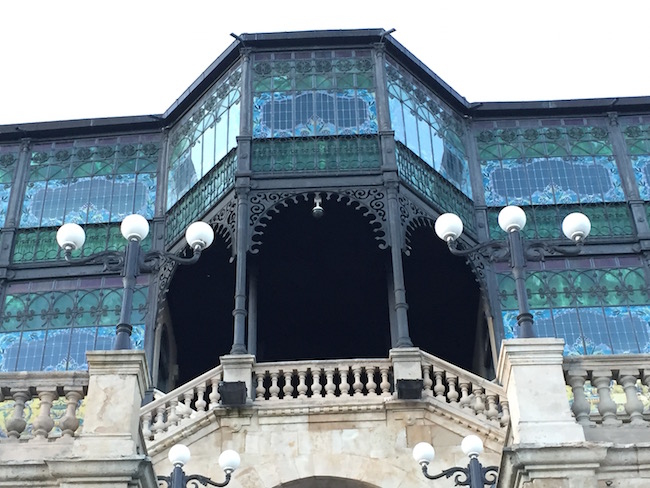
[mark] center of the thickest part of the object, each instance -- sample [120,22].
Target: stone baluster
[188,396]
[581,407]
[344,387]
[371,386]
[478,405]
[439,388]
[16,424]
[43,424]
[259,389]
[316,387]
[385,384]
[145,425]
[200,398]
[173,417]
[452,393]
[288,387]
[606,407]
[214,396]
[464,393]
[357,386]
[330,387]
[505,413]
[492,412]
[69,423]
[274,389]
[646,383]
[302,384]
[633,405]
[427,382]
[159,423]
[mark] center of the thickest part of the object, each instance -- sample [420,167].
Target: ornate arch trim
[371,202]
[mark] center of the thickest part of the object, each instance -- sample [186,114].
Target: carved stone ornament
[265,205]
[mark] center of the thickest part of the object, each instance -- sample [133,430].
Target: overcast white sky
[71,59]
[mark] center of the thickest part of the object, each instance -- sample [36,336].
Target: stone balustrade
[464,390]
[333,379]
[41,405]
[609,391]
[178,406]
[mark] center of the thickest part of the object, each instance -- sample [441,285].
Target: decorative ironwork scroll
[369,201]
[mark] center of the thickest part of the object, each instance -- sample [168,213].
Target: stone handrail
[331,379]
[176,407]
[465,390]
[58,395]
[609,390]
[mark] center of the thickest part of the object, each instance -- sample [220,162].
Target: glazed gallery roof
[314,40]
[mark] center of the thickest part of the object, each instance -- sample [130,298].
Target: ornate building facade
[322,160]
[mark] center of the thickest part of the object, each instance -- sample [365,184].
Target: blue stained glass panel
[314,113]
[60,349]
[551,181]
[590,330]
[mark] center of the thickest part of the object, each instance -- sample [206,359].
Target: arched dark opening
[321,286]
[444,301]
[201,301]
[326,482]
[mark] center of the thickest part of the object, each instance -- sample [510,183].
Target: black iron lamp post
[475,475]
[512,219]
[179,455]
[133,261]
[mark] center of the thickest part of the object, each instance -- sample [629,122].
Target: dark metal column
[242,190]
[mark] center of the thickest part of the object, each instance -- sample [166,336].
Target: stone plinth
[531,372]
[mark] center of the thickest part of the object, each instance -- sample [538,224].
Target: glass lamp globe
[229,460]
[199,235]
[179,455]
[423,453]
[70,236]
[576,226]
[472,445]
[448,227]
[134,227]
[512,218]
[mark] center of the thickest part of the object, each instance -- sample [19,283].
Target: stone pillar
[531,372]
[239,367]
[407,365]
[110,452]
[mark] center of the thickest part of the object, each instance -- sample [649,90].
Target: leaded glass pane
[316,154]
[637,138]
[8,160]
[321,93]
[32,245]
[545,222]
[50,325]
[595,310]
[91,181]
[548,166]
[202,196]
[422,178]
[430,130]
[204,137]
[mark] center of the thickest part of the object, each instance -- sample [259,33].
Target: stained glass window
[598,306]
[91,181]
[548,166]
[40,244]
[321,93]
[637,138]
[427,128]
[50,325]
[204,137]
[8,160]
[433,187]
